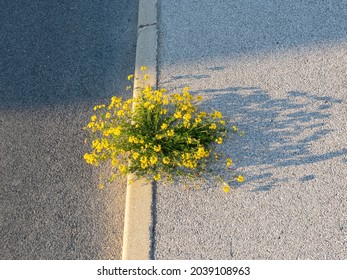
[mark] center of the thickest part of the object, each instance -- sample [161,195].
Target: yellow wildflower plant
[240,178]
[225,187]
[164,126]
[156,135]
[219,140]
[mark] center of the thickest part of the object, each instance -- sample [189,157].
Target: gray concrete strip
[137,239]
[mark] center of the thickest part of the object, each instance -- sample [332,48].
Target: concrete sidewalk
[277,68]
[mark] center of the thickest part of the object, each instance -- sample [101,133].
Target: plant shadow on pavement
[278,132]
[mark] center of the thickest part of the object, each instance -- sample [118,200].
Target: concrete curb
[137,243]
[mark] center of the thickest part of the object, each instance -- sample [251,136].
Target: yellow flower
[91,125]
[157,177]
[101,186]
[133,139]
[117,130]
[99,107]
[170,133]
[147,104]
[157,148]
[100,125]
[165,100]
[187,95]
[201,153]
[219,140]
[93,118]
[234,128]
[199,98]
[163,111]
[145,77]
[158,93]
[213,126]
[115,101]
[186,124]
[185,156]
[198,120]
[136,155]
[187,117]
[147,88]
[143,68]
[126,106]
[120,113]
[184,107]
[178,115]
[122,168]
[222,122]
[226,188]
[217,114]
[107,115]
[151,107]
[240,179]
[130,77]
[164,126]
[153,160]
[103,156]
[202,114]
[144,163]
[114,162]
[229,161]
[166,160]
[90,158]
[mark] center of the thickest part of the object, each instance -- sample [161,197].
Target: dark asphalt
[57,60]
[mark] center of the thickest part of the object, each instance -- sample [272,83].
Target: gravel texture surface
[278,69]
[59,59]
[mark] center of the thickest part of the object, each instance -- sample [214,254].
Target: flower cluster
[156,134]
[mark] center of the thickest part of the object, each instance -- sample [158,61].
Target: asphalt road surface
[277,69]
[58,59]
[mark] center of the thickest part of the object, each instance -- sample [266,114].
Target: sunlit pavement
[278,69]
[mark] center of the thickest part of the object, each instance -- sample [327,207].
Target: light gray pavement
[278,68]
[58,59]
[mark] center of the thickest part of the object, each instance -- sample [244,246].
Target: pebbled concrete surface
[278,69]
[58,59]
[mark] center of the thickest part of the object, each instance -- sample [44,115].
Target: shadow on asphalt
[58,59]
[63,52]
[278,132]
